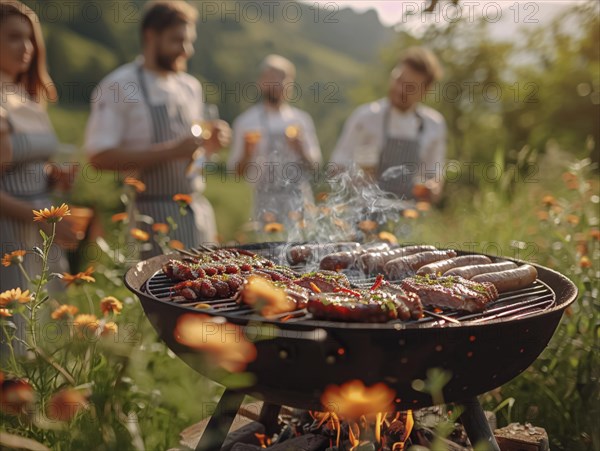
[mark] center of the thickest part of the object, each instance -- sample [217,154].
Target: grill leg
[476,425]
[269,416]
[218,426]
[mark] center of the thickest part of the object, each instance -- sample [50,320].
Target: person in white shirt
[275,147]
[398,140]
[141,121]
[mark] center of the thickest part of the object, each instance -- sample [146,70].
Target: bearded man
[141,122]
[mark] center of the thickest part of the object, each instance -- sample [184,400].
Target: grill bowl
[305,356]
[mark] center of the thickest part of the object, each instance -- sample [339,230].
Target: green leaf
[43,235]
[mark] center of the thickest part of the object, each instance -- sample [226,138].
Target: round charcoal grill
[482,351]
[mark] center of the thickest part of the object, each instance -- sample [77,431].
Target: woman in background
[28,142]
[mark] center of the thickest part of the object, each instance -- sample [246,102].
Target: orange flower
[184,199]
[573,219]
[84,324]
[595,234]
[13,258]
[585,262]
[79,278]
[6,313]
[53,215]
[66,404]
[160,227]
[423,206]
[322,196]
[353,399]
[367,226]
[549,200]
[110,305]
[16,396]
[109,329]
[388,237]
[542,215]
[224,343]
[176,244]
[274,227]
[14,295]
[139,234]
[118,217]
[137,184]
[265,297]
[63,311]
[410,213]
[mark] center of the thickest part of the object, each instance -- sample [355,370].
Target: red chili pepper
[347,291]
[378,282]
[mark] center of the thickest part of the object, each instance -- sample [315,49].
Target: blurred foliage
[544,83]
[530,107]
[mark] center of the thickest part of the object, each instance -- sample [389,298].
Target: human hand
[219,138]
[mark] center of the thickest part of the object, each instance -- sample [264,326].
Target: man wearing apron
[275,148]
[141,121]
[399,141]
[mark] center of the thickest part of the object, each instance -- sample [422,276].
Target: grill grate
[509,306]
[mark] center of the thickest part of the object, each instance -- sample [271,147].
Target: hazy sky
[505,16]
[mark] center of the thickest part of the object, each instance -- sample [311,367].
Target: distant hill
[332,49]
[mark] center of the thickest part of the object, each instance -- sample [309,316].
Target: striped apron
[399,161]
[167,179]
[283,189]
[26,180]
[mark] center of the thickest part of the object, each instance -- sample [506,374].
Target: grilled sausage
[344,260]
[470,271]
[402,267]
[511,279]
[442,266]
[374,262]
[302,254]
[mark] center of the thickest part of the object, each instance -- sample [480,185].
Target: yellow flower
[66,404]
[6,313]
[410,213]
[274,227]
[53,215]
[389,237]
[139,234]
[13,258]
[118,217]
[353,399]
[573,219]
[160,227]
[185,199]
[549,200]
[14,295]
[585,262]
[423,206]
[85,324]
[110,305]
[139,186]
[109,329]
[64,310]
[176,244]
[79,278]
[367,226]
